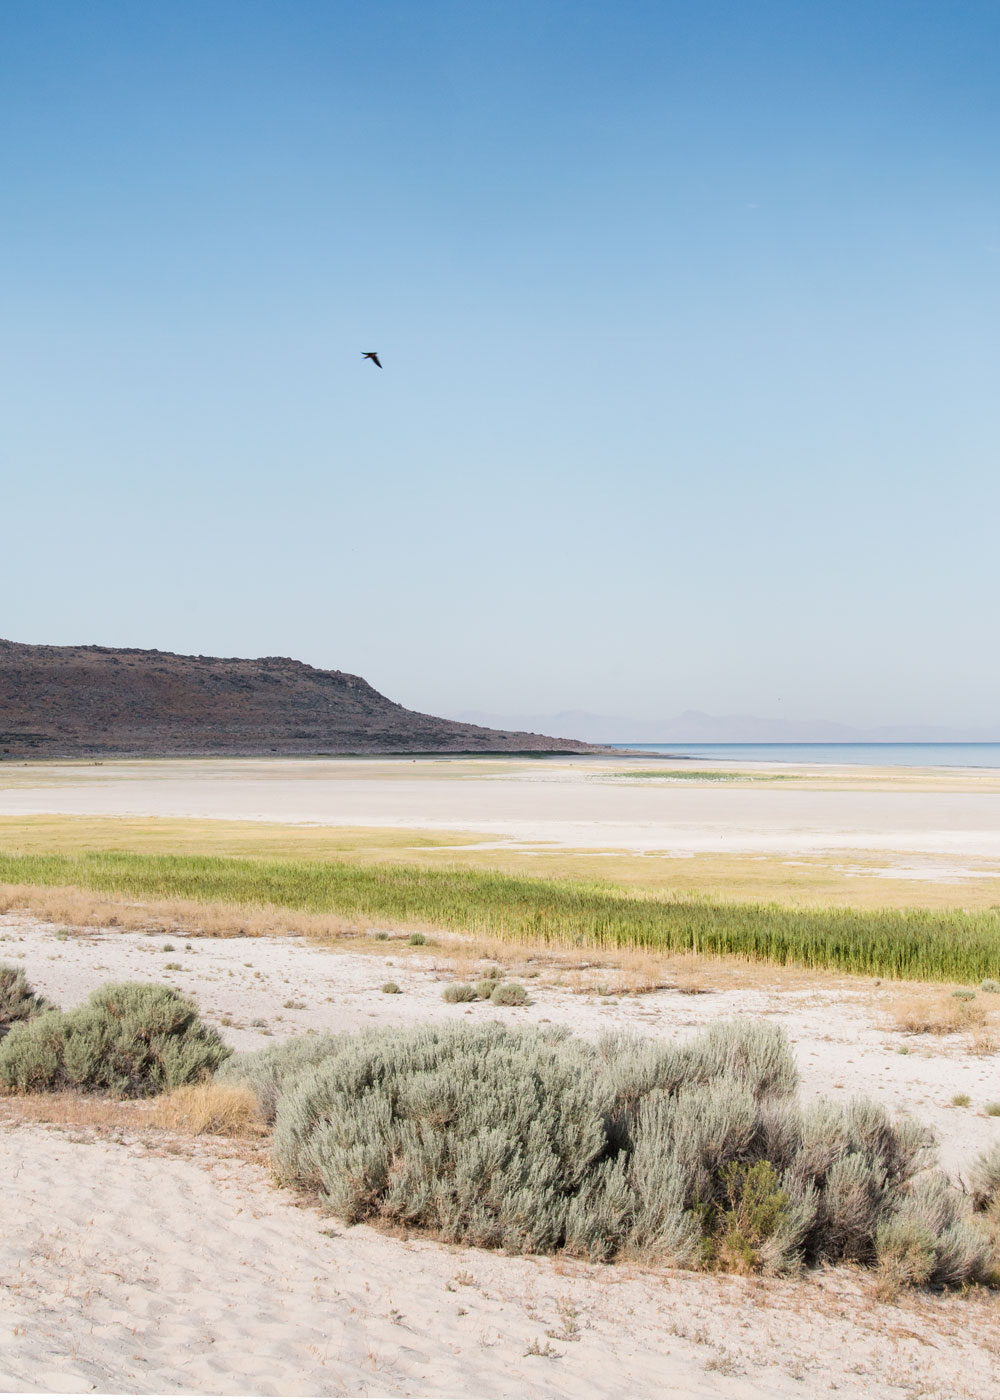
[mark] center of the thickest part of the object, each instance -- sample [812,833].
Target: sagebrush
[128,1038]
[18,999]
[697,1154]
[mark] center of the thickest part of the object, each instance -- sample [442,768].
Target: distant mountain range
[65,702]
[697,727]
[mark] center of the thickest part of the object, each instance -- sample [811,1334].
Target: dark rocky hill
[59,702]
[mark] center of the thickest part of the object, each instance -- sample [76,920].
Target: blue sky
[689,318]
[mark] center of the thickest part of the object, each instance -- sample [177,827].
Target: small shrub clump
[485,988]
[18,1001]
[509,994]
[417,940]
[989,984]
[129,1039]
[391,988]
[696,1154]
[459,991]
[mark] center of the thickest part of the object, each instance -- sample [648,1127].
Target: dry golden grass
[225,1110]
[69,1110]
[197,1110]
[81,909]
[938,1013]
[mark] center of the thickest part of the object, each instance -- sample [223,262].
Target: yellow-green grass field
[860,880]
[561,899]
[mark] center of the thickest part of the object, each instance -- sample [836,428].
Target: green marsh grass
[928,945]
[704,775]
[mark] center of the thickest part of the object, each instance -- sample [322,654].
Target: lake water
[876,755]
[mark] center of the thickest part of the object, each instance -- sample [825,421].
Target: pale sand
[567,804]
[154,1265]
[125,1269]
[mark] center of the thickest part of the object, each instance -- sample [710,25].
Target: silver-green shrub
[472,1132]
[532,1140]
[18,1000]
[268,1072]
[128,1039]
[984,1178]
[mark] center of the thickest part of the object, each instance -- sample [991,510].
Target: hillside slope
[64,702]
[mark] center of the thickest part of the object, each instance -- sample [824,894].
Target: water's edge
[875,755]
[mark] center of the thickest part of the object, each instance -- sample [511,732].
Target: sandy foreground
[576,804]
[146,1262]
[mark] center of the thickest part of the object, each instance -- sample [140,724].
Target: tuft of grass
[960,1100]
[229,1110]
[921,945]
[391,988]
[992,1110]
[989,984]
[417,940]
[937,1015]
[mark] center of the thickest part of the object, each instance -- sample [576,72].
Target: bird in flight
[371,355]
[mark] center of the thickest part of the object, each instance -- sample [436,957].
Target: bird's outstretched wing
[371,355]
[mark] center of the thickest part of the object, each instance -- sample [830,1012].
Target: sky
[689,318]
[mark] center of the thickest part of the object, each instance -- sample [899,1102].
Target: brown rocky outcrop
[76,701]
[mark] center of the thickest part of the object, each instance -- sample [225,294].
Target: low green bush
[459,991]
[989,984]
[18,1001]
[509,994]
[531,1140]
[128,1039]
[485,988]
[391,988]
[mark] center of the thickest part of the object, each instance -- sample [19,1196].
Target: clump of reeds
[923,945]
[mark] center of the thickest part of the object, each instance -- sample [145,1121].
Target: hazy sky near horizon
[689,321]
